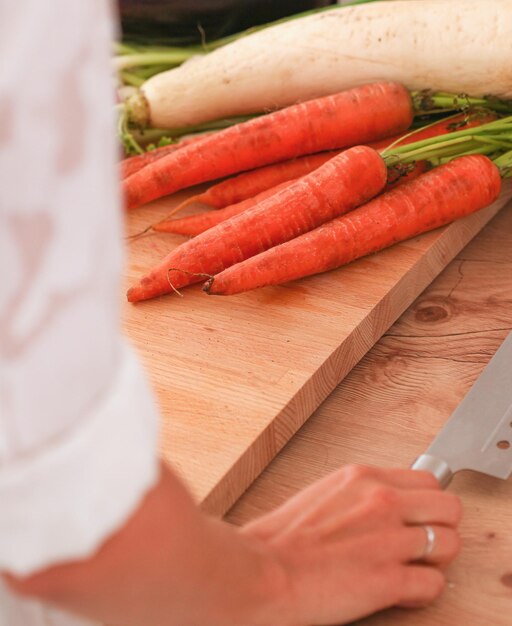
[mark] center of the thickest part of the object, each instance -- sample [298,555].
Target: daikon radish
[460,46]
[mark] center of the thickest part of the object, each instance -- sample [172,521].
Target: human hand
[354,543]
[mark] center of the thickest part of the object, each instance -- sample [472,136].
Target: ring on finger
[430,543]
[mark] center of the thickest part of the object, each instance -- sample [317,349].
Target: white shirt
[78,425]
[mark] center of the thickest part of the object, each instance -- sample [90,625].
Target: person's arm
[343,548]
[170,565]
[78,423]
[87,521]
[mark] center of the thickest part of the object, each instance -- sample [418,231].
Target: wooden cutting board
[237,376]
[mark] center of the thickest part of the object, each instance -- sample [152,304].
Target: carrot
[438,197]
[341,184]
[235,191]
[253,182]
[196,224]
[248,184]
[356,116]
[221,192]
[135,163]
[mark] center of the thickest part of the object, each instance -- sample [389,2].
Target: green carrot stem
[442,151]
[426,101]
[419,152]
[489,138]
[504,163]
[497,128]
[488,151]
[504,159]
[423,126]
[499,144]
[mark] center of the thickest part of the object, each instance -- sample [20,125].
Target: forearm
[169,565]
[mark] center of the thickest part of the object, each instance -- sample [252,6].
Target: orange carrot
[135,163]
[356,116]
[346,181]
[196,224]
[438,197]
[249,184]
[193,225]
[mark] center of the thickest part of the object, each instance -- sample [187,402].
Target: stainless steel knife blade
[478,435]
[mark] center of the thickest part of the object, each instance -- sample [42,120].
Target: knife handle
[435,466]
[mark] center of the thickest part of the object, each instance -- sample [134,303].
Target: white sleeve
[78,424]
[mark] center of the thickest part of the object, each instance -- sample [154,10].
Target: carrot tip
[131,295]
[183,204]
[161,227]
[164,224]
[167,227]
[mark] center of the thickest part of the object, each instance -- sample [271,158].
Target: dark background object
[182,22]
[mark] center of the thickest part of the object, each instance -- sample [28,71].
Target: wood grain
[236,377]
[391,405]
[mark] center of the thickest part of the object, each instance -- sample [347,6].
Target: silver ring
[431,541]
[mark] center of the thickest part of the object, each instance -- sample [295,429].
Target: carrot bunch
[236,194]
[343,183]
[352,117]
[434,199]
[293,218]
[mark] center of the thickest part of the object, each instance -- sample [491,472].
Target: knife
[478,435]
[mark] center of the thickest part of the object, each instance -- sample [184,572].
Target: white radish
[461,46]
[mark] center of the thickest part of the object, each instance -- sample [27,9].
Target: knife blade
[478,435]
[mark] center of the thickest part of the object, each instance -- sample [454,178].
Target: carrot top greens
[491,139]
[504,163]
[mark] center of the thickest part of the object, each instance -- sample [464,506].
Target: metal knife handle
[437,467]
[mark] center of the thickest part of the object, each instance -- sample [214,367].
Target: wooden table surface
[392,404]
[236,377]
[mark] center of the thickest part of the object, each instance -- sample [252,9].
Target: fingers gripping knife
[478,435]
